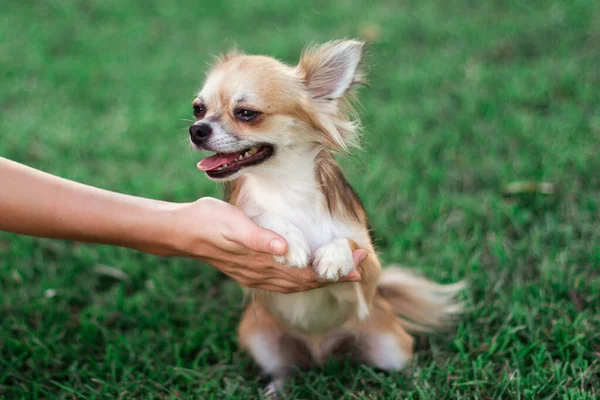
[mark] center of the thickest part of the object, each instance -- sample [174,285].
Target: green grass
[464,98]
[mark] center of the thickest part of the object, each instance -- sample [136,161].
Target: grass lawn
[465,97]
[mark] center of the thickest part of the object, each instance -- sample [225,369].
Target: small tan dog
[274,129]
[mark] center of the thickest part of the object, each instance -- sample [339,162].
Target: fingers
[279,278]
[268,276]
[353,276]
[358,256]
[259,271]
[258,239]
[274,288]
[296,280]
[285,286]
[280,283]
[303,275]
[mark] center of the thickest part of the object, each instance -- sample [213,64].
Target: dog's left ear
[331,69]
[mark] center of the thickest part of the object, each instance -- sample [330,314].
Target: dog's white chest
[317,225]
[302,204]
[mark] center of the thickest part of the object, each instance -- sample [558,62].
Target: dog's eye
[199,111]
[246,115]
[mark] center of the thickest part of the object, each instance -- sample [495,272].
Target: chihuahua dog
[275,129]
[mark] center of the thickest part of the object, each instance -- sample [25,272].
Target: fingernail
[354,276]
[277,246]
[360,256]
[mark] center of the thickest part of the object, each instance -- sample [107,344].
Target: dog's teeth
[253,151]
[247,154]
[240,157]
[225,166]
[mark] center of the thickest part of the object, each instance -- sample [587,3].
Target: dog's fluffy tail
[421,305]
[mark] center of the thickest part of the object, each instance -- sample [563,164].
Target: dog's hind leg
[383,342]
[272,347]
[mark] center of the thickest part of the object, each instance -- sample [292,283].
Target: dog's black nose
[199,133]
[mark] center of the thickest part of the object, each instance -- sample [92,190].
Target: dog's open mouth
[222,165]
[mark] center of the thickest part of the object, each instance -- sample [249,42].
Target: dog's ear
[331,69]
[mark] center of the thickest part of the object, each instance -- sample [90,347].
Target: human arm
[39,204]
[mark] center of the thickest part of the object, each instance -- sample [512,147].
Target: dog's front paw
[333,260]
[298,250]
[298,253]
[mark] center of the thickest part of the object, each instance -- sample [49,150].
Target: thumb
[263,240]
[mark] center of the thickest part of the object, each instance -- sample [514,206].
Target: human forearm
[39,204]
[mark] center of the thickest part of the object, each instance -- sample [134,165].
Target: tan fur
[272,80]
[231,191]
[423,305]
[333,119]
[302,349]
[342,200]
[283,86]
[297,99]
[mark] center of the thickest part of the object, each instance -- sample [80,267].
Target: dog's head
[255,109]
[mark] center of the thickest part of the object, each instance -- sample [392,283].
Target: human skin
[36,203]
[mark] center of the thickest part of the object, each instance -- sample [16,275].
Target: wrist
[157,233]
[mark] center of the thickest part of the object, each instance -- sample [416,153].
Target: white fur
[298,253]
[286,186]
[267,353]
[362,311]
[333,260]
[334,68]
[273,389]
[425,305]
[430,292]
[317,310]
[220,140]
[283,194]
[384,351]
[339,62]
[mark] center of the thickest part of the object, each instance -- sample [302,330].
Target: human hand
[39,204]
[223,236]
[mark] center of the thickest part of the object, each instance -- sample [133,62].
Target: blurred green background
[465,99]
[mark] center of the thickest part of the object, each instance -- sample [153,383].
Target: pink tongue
[214,162]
